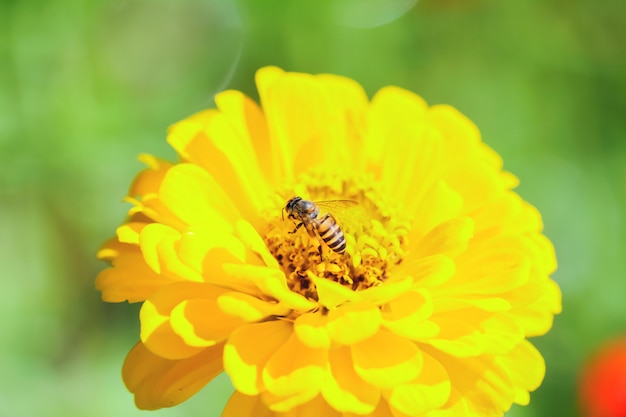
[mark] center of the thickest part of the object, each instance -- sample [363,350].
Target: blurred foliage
[85,86]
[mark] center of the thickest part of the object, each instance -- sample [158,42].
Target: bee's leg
[321,250]
[299,225]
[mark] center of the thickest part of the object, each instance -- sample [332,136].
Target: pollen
[374,231]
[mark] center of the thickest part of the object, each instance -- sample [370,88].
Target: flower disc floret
[428,310]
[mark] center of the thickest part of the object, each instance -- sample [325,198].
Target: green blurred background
[85,86]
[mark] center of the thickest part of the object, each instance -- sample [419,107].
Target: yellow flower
[427,313]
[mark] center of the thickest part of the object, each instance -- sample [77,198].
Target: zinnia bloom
[427,313]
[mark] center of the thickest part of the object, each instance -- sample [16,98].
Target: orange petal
[344,390]
[386,360]
[249,348]
[249,308]
[331,294]
[316,407]
[295,368]
[130,279]
[272,283]
[159,245]
[205,250]
[201,322]
[408,316]
[182,133]
[253,241]
[157,330]
[353,323]
[382,410]
[113,248]
[158,382]
[242,405]
[311,330]
[129,232]
[246,116]
[149,180]
[289,404]
[152,209]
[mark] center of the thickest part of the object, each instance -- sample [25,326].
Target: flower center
[373,229]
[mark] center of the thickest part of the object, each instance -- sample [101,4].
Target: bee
[325,228]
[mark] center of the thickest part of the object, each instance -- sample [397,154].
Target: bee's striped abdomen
[331,234]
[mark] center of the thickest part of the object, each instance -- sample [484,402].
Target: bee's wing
[336,204]
[336,208]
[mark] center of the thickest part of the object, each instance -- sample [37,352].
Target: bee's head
[290,206]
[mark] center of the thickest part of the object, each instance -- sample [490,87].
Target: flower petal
[246,116]
[181,134]
[228,151]
[459,133]
[201,322]
[149,180]
[254,243]
[537,317]
[158,336]
[353,323]
[159,245]
[526,368]
[295,368]
[249,308]
[312,331]
[130,279]
[113,248]
[195,197]
[430,391]
[158,382]
[169,338]
[386,360]
[317,407]
[288,404]
[450,238]
[408,315]
[488,271]
[272,283]
[205,250]
[247,351]
[382,410]
[482,383]
[242,405]
[301,116]
[129,232]
[458,336]
[431,271]
[330,293]
[390,107]
[344,390]
[382,294]
[440,203]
